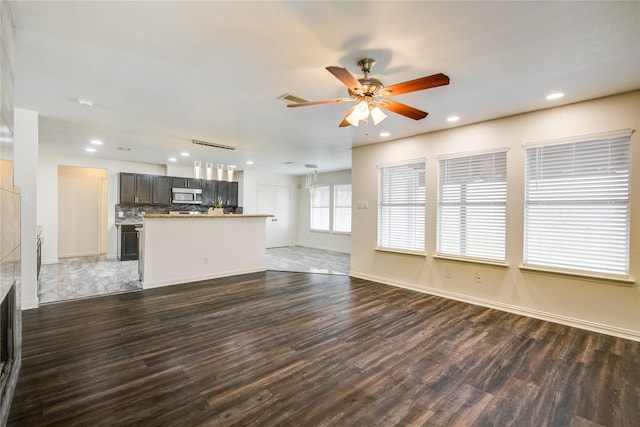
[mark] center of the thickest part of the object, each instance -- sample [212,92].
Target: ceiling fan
[370,95]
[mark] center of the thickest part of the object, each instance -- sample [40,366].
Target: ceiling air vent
[291,99]
[213,144]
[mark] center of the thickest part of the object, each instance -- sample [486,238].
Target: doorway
[82,211]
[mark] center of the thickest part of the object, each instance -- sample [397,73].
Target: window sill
[401,251]
[592,277]
[471,260]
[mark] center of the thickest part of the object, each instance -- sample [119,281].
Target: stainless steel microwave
[190,196]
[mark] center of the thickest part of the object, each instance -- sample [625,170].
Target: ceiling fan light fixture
[377,115]
[362,110]
[352,118]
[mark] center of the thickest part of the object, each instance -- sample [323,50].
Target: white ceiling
[163,73]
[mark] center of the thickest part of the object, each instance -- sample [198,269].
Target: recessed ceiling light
[90,149]
[453,119]
[96,142]
[172,159]
[384,134]
[86,102]
[553,96]
[184,154]
[249,162]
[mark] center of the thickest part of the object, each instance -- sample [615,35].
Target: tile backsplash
[133,213]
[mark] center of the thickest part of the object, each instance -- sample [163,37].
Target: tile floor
[307,260]
[86,276]
[96,275]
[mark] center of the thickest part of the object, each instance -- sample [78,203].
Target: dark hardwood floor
[296,349]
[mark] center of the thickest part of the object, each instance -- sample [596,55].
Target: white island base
[180,249]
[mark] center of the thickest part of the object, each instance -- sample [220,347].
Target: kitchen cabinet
[177,182]
[161,190]
[208,193]
[135,188]
[128,242]
[228,191]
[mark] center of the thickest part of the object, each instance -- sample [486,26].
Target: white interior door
[274,200]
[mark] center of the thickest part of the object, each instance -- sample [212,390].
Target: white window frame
[313,209]
[402,207]
[337,189]
[472,205]
[577,205]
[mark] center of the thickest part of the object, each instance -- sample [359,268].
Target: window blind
[472,198]
[320,208]
[577,209]
[342,208]
[401,207]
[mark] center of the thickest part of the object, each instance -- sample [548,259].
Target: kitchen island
[187,248]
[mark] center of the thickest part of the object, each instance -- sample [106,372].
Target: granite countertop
[156,216]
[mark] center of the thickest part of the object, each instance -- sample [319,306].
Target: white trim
[29,305]
[191,279]
[400,251]
[523,311]
[582,275]
[496,263]
[580,138]
[402,162]
[479,152]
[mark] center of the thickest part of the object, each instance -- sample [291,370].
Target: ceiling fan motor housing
[370,86]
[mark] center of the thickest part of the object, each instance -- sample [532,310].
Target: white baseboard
[79,254]
[29,305]
[183,280]
[523,311]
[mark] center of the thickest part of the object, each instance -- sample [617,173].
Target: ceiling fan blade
[325,101]
[403,109]
[416,85]
[345,77]
[345,122]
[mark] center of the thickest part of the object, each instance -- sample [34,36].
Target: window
[320,208]
[472,199]
[342,208]
[401,207]
[577,204]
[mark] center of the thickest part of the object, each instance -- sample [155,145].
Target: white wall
[25,176]
[80,211]
[179,170]
[319,239]
[47,213]
[590,304]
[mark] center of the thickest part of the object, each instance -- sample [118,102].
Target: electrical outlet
[447,273]
[206,260]
[120,214]
[478,280]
